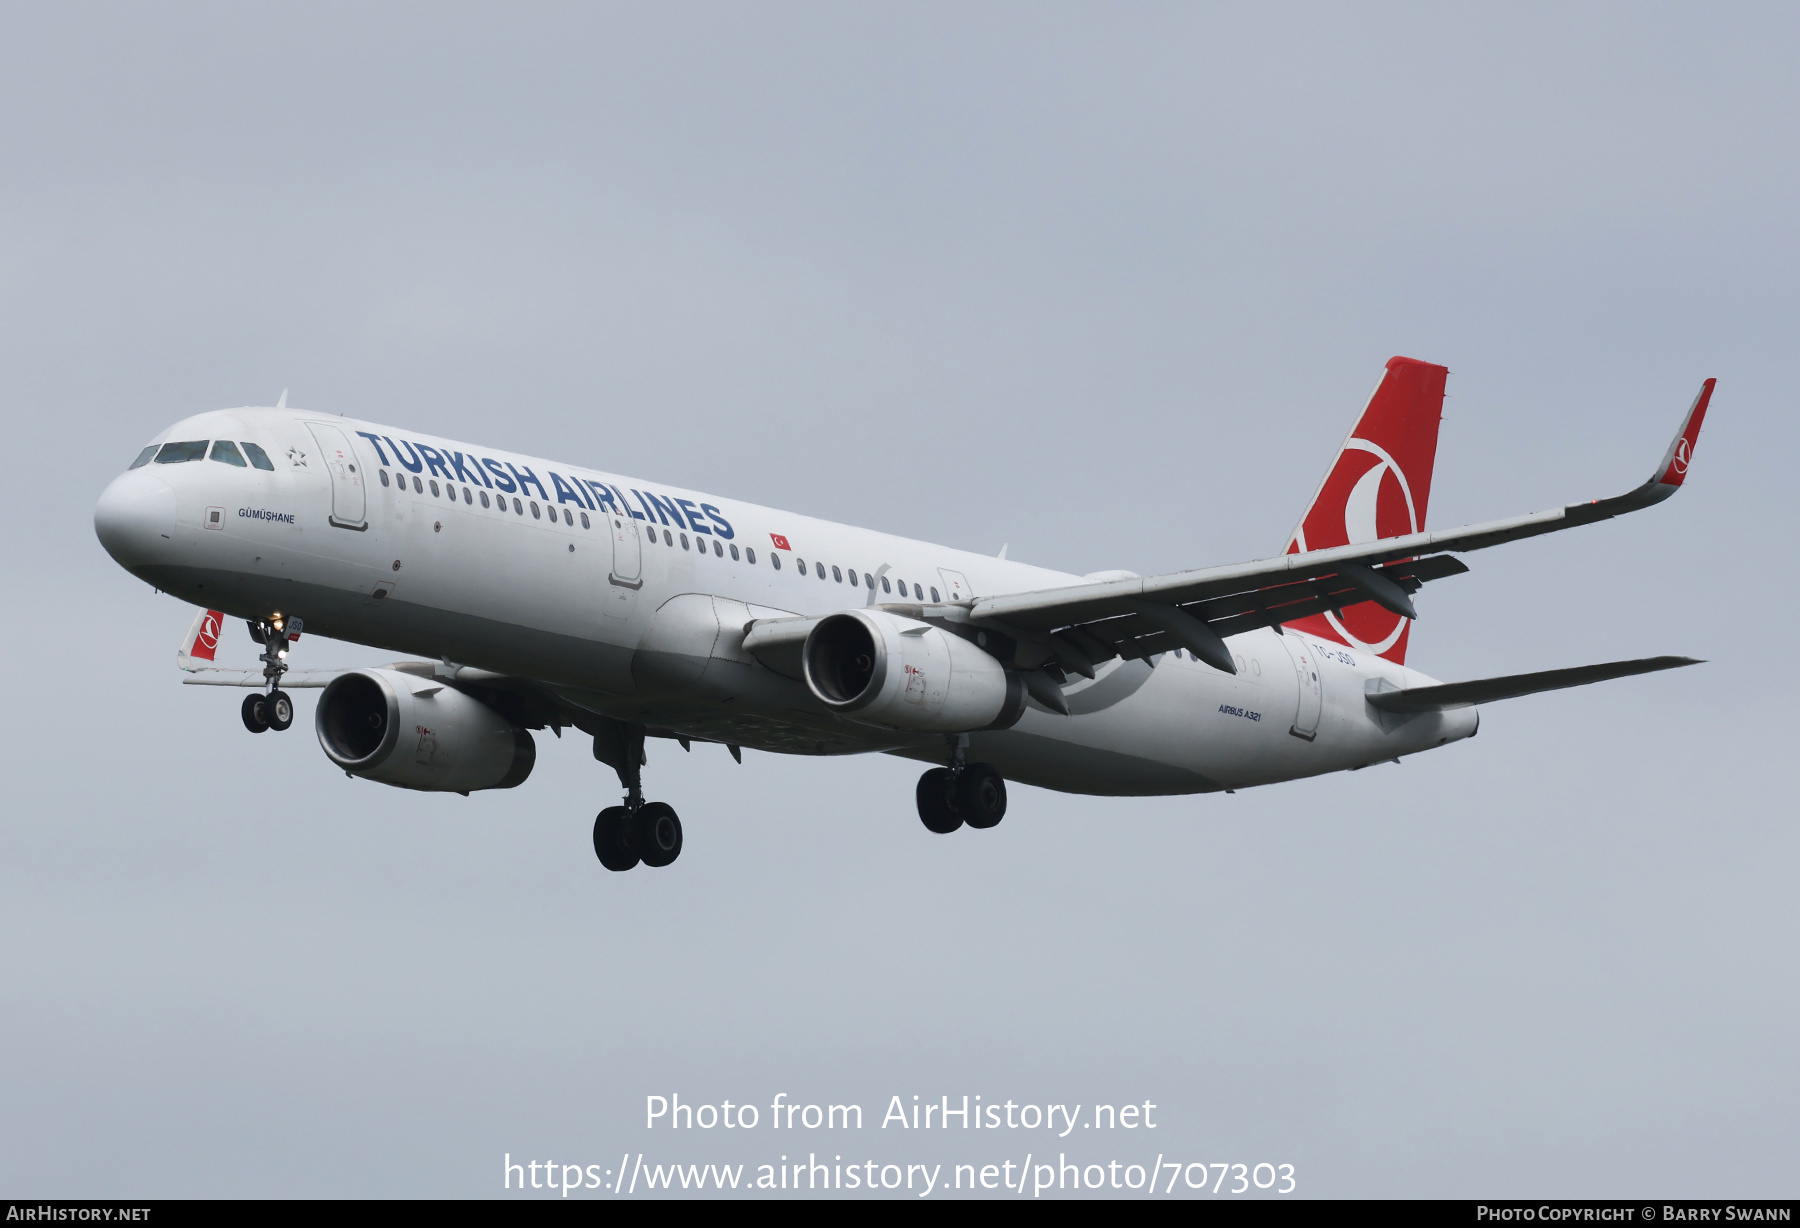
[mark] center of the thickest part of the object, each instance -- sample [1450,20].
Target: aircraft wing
[1085,624]
[294,679]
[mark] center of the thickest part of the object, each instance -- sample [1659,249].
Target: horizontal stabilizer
[1486,690]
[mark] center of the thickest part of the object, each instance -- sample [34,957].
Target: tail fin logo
[1363,519]
[1684,452]
[206,639]
[1377,487]
[1373,508]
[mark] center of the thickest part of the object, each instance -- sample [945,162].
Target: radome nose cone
[135,518]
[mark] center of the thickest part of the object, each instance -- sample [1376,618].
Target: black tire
[278,707]
[981,796]
[612,844]
[658,834]
[937,809]
[254,720]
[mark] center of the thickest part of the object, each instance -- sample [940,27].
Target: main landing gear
[638,831]
[650,834]
[274,710]
[963,793]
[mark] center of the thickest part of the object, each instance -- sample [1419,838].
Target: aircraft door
[349,509]
[956,587]
[626,576]
[1306,674]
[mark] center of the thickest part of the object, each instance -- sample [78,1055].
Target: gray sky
[1106,284]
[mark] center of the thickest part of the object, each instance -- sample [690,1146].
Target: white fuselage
[539,584]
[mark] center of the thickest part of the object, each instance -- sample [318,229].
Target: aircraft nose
[135,518]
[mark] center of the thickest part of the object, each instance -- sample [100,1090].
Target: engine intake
[391,727]
[880,669]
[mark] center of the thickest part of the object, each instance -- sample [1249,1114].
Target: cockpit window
[176,453]
[225,450]
[260,459]
[144,457]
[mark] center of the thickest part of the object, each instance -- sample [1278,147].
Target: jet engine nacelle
[879,669]
[418,733]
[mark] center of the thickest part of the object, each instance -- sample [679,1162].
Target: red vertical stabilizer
[1377,487]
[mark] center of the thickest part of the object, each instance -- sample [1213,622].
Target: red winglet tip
[1681,454]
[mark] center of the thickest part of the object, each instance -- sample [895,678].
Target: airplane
[543,594]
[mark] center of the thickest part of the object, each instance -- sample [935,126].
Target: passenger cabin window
[836,574]
[535,514]
[177,453]
[384,477]
[868,581]
[917,595]
[801,564]
[434,489]
[718,550]
[143,457]
[418,486]
[484,498]
[684,544]
[734,554]
[749,553]
[584,519]
[667,539]
[820,569]
[934,595]
[258,457]
[885,586]
[775,559]
[853,577]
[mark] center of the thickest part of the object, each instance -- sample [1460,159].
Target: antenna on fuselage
[282,403]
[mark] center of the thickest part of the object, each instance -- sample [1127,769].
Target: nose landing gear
[971,793]
[638,831]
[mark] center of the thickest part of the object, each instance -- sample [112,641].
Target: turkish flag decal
[781,543]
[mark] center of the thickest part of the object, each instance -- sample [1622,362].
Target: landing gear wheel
[936,808]
[278,707]
[981,795]
[658,834]
[254,719]
[612,844]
